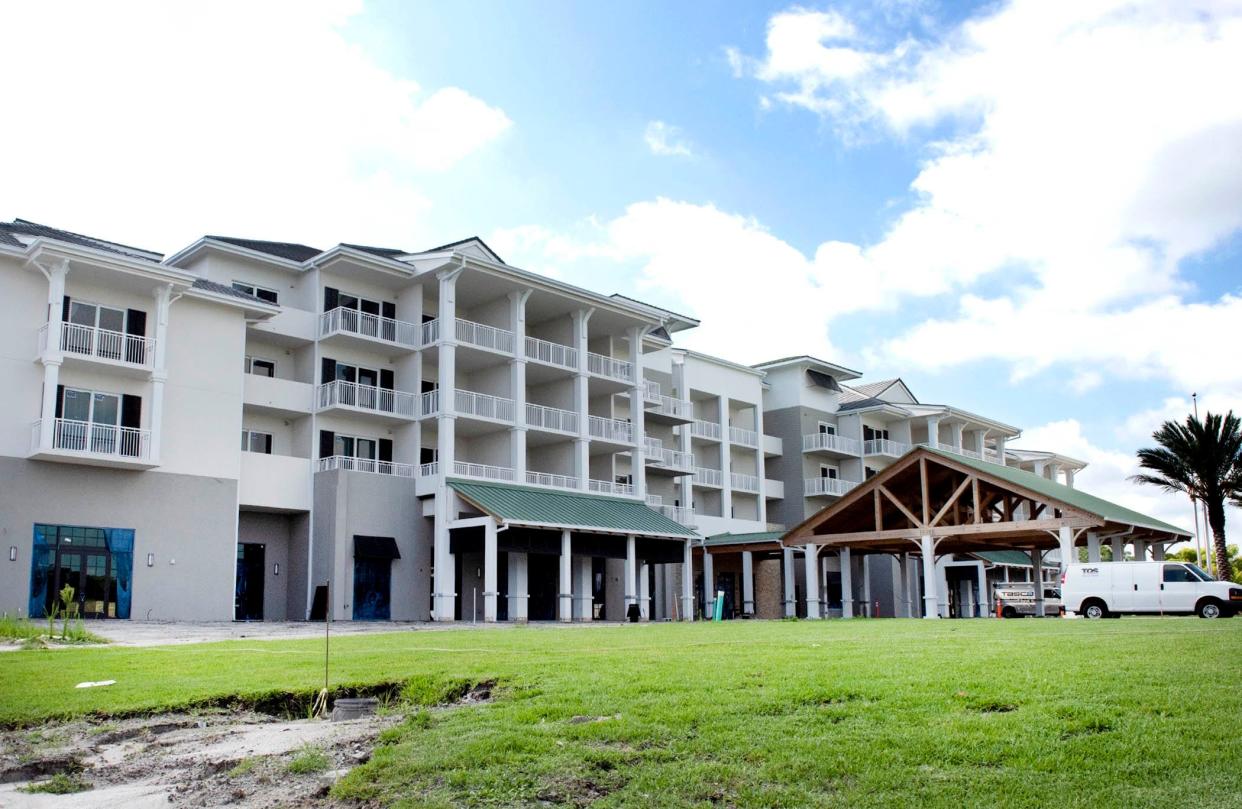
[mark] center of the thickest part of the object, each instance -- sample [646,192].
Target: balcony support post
[811,559]
[787,574]
[748,583]
[490,589]
[444,566]
[517,382]
[52,354]
[582,444]
[933,432]
[687,582]
[726,476]
[446,372]
[159,373]
[847,583]
[644,591]
[583,587]
[631,572]
[519,587]
[709,586]
[638,407]
[931,587]
[565,602]
[51,380]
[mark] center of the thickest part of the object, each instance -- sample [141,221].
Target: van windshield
[1198,571]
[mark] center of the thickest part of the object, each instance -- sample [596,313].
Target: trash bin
[632,613]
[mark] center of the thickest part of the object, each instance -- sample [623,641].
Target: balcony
[773,446]
[95,345]
[743,437]
[553,419]
[742,482]
[614,431]
[610,487]
[555,354]
[663,409]
[679,514]
[92,444]
[830,444]
[281,397]
[834,487]
[663,458]
[609,368]
[551,480]
[465,469]
[390,404]
[708,477]
[774,489]
[372,330]
[347,463]
[709,430]
[882,446]
[278,482]
[471,404]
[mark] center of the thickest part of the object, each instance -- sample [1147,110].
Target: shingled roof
[287,250]
[23,227]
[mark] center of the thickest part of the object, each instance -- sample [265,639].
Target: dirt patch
[213,758]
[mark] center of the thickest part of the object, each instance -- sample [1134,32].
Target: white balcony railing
[600,365]
[652,446]
[429,403]
[102,344]
[350,464]
[821,486]
[351,321]
[551,418]
[483,336]
[705,429]
[668,406]
[429,470]
[92,439]
[708,477]
[654,500]
[429,332]
[831,442]
[551,353]
[744,437]
[882,446]
[679,514]
[610,487]
[621,432]
[651,390]
[549,479]
[481,470]
[481,405]
[366,397]
[669,458]
[742,482]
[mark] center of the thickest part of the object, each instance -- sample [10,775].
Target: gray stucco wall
[284,539]
[787,467]
[188,522]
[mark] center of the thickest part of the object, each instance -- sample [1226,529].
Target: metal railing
[551,353]
[351,321]
[340,393]
[831,442]
[883,446]
[744,437]
[654,500]
[708,477]
[429,470]
[607,429]
[103,344]
[469,403]
[429,403]
[668,406]
[349,463]
[670,458]
[832,486]
[705,429]
[482,470]
[610,487]
[680,514]
[549,479]
[600,365]
[651,389]
[652,446]
[483,336]
[742,482]
[551,418]
[90,438]
[430,332]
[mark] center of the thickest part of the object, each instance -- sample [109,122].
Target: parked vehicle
[1104,589]
[1017,599]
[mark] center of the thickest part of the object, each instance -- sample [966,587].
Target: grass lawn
[1130,713]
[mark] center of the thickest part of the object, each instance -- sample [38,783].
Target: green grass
[58,784]
[1132,713]
[308,760]
[30,632]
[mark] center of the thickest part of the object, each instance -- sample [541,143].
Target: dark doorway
[81,558]
[728,583]
[372,588]
[543,581]
[248,595]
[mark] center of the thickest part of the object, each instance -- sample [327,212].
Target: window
[350,446]
[97,421]
[93,315]
[1178,573]
[256,441]
[870,473]
[260,367]
[829,472]
[262,293]
[624,480]
[827,429]
[874,433]
[103,331]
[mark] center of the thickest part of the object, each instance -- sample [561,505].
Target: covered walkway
[932,504]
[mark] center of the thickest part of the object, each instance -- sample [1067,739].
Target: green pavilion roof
[743,539]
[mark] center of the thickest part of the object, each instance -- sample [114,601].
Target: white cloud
[154,122]
[1086,380]
[667,140]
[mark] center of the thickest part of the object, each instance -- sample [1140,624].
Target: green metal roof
[527,505]
[1011,558]
[1075,498]
[743,539]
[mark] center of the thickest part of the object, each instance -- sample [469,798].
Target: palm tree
[1204,460]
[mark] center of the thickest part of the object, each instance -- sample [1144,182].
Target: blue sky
[1027,209]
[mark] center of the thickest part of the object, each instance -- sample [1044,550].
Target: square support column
[847,584]
[1119,549]
[519,587]
[812,581]
[687,583]
[1093,547]
[1065,539]
[748,583]
[906,606]
[1037,575]
[489,572]
[981,601]
[631,571]
[584,586]
[1140,550]
[931,601]
[788,573]
[565,602]
[709,587]
[644,592]
[444,566]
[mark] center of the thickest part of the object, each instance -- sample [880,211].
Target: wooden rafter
[893,499]
[923,489]
[879,512]
[952,500]
[974,498]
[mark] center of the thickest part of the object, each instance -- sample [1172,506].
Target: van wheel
[1209,608]
[1095,610]
[1009,612]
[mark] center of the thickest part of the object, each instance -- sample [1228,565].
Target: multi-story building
[423,435]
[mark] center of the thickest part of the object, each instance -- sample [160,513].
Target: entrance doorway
[543,584]
[372,588]
[248,598]
[91,561]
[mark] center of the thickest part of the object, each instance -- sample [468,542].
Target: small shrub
[58,784]
[243,767]
[310,760]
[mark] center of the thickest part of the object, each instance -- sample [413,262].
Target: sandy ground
[214,759]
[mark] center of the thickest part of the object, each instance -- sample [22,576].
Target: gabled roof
[287,250]
[876,390]
[548,508]
[470,240]
[838,371]
[225,289]
[382,252]
[22,227]
[1009,558]
[771,538]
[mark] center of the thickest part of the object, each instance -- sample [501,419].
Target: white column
[583,590]
[489,572]
[1119,549]
[955,435]
[1065,539]
[726,461]
[687,583]
[638,456]
[52,355]
[787,571]
[517,382]
[982,598]
[1157,553]
[631,568]
[931,603]
[812,581]
[1093,546]
[748,583]
[644,592]
[1140,550]
[1000,450]
[582,405]
[905,606]
[446,372]
[684,484]
[444,566]
[933,431]
[867,606]
[847,583]
[519,587]
[1069,478]
[709,587]
[159,372]
[565,601]
[1037,576]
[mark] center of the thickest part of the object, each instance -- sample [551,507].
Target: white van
[1102,589]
